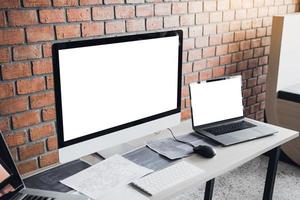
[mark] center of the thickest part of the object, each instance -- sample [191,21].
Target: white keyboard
[167,178]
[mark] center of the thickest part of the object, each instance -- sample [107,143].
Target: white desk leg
[271,173]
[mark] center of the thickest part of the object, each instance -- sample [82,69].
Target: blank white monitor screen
[108,85]
[216,101]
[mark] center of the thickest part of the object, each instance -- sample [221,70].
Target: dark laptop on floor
[217,112]
[12,186]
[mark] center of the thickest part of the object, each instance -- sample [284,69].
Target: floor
[247,182]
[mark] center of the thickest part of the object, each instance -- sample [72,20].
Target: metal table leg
[271,173]
[209,189]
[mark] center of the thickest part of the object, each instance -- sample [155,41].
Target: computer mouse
[205,151]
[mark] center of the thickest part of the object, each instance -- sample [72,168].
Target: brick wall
[220,37]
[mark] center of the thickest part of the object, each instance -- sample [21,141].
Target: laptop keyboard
[34,197]
[227,128]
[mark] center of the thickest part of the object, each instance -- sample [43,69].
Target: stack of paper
[107,178]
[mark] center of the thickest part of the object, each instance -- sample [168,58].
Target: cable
[180,140]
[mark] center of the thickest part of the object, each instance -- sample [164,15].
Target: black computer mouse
[205,151]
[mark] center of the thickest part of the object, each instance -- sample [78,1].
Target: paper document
[125,192]
[106,177]
[173,149]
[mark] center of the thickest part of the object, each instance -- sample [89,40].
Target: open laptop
[12,186]
[217,112]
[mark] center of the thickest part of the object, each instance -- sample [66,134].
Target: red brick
[22,17]
[199,65]
[215,40]
[3,22]
[248,54]
[48,114]
[52,16]
[194,54]
[25,52]
[135,25]
[215,17]
[236,57]
[13,105]
[228,15]
[103,13]
[202,18]
[144,10]
[4,55]
[67,31]
[37,3]
[52,143]
[230,69]
[76,15]
[247,24]
[27,166]
[188,44]
[42,66]
[90,2]
[15,139]
[10,4]
[187,20]
[113,1]
[213,62]
[30,85]
[47,50]
[65,2]
[195,31]
[171,21]
[210,29]
[209,52]
[223,4]
[162,9]
[40,132]
[218,71]
[195,6]
[233,47]
[4,124]
[251,82]
[222,28]
[154,23]
[124,12]
[185,91]
[187,68]
[115,27]
[239,36]
[48,159]
[222,50]
[185,114]
[228,37]
[31,150]
[205,74]
[242,65]
[15,70]
[241,14]
[6,90]
[41,100]
[50,82]
[179,7]
[226,59]
[12,36]
[42,33]
[202,41]
[190,78]
[92,29]
[25,119]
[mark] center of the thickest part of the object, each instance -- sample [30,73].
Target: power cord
[180,140]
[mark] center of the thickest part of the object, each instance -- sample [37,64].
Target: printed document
[106,177]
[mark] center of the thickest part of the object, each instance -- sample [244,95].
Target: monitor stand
[119,149]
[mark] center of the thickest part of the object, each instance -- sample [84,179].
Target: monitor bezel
[111,40]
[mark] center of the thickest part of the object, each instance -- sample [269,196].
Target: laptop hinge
[219,122]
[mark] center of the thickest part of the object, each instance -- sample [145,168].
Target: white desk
[227,158]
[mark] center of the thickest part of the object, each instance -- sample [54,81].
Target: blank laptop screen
[216,101]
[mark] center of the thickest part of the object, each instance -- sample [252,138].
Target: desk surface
[227,158]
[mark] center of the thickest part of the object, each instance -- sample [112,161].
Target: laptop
[12,186]
[217,112]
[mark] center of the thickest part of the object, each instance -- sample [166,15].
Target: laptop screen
[10,180]
[216,101]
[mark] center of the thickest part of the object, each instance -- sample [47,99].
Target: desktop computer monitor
[112,90]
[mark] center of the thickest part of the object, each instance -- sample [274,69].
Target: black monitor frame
[111,40]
